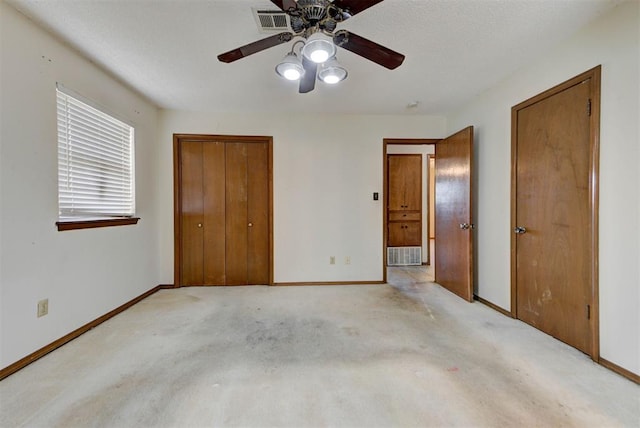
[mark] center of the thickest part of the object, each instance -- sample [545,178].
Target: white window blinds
[95,162]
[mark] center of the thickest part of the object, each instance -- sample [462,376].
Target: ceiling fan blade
[308,81]
[285,4]
[355,6]
[368,49]
[255,47]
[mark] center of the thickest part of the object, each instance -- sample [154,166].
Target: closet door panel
[192,213]
[395,183]
[236,214]
[395,235]
[404,234]
[258,213]
[413,234]
[412,170]
[213,159]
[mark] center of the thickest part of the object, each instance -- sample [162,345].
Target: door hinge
[589,108]
[588,312]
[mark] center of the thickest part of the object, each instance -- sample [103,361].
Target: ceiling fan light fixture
[331,72]
[290,67]
[319,48]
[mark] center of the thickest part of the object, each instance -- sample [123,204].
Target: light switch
[375,196]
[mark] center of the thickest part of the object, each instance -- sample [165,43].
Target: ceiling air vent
[271,20]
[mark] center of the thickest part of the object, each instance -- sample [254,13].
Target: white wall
[614,42]
[325,172]
[83,273]
[425,151]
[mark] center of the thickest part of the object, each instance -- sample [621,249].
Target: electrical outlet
[332,260]
[347,260]
[43,307]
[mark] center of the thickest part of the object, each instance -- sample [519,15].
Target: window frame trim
[95,223]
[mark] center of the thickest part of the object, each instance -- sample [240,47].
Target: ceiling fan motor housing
[313,14]
[313,10]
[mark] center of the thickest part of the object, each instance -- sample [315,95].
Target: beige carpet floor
[411,354]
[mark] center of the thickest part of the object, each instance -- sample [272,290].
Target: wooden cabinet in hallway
[223,210]
[405,200]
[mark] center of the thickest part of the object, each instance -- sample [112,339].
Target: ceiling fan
[315,21]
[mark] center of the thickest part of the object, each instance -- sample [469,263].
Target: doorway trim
[594,156]
[430,208]
[178,139]
[385,183]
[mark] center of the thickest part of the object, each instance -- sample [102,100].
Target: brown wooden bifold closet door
[258,214]
[214,168]
[247,249]
[237,215]
[223,189]
[191,221]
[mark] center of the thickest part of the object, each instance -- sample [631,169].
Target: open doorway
[407,204]
[453,219]
[407,221]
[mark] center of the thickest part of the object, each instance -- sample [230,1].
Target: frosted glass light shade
[319,48]
[332,72]
[291,67]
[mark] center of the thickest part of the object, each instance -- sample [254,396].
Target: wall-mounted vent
[270,21]
[404,256]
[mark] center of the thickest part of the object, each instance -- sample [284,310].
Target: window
[95,166]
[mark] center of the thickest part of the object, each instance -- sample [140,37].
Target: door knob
[520,230]
[250,224]
[466,226]
[199,224]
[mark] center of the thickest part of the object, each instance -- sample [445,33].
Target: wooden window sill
[90,224]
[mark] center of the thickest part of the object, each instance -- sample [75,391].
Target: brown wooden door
[554,251]
[237,214]
[247,255]
[203,213]
[258,214]
[191,220]
[214,217]
[223,214]
[453,213]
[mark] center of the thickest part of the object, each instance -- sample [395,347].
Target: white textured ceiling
[455,49]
